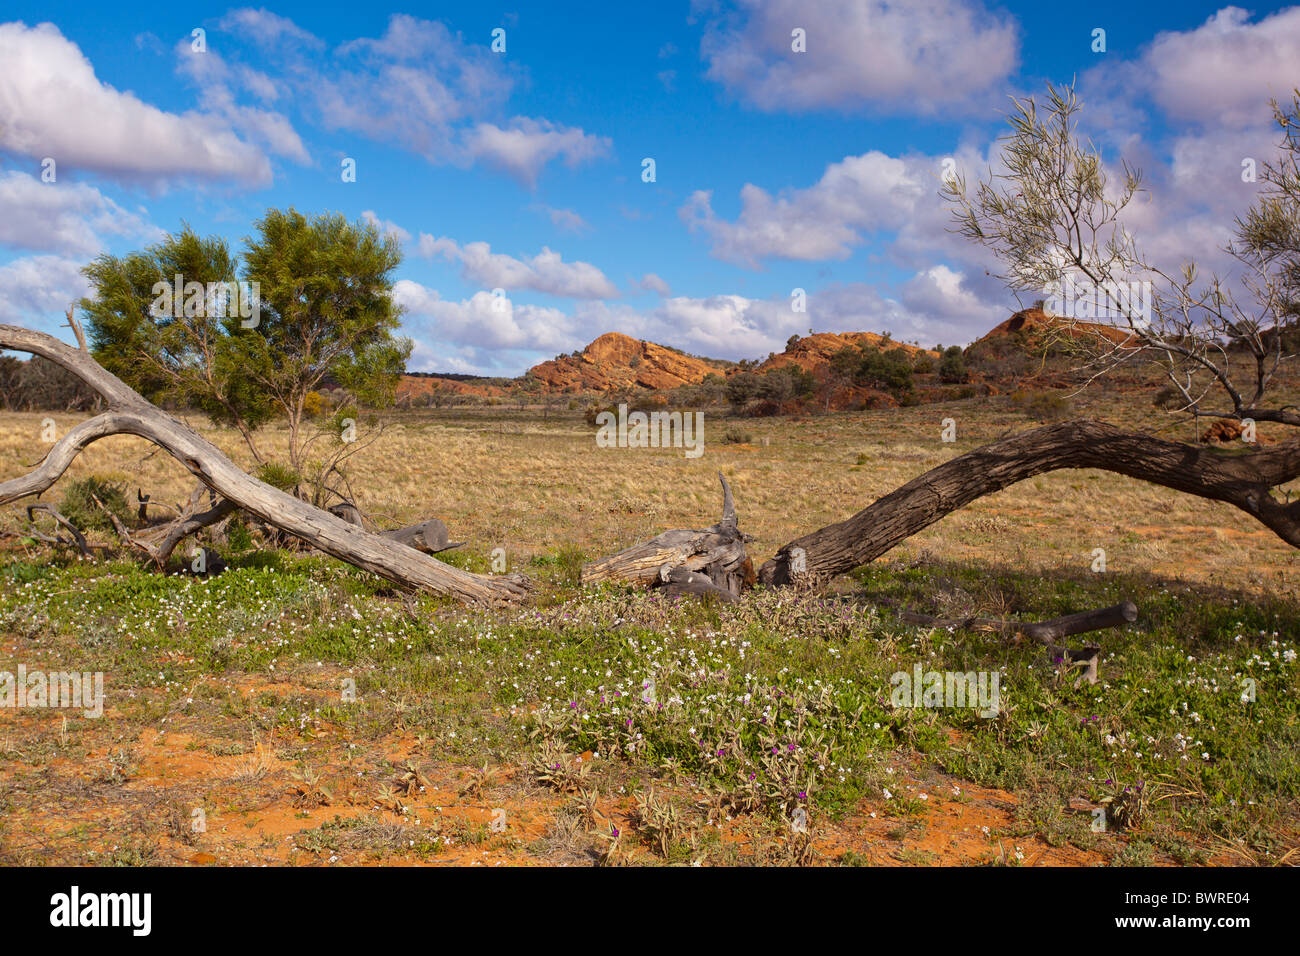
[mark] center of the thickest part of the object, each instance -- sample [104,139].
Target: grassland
[600,725]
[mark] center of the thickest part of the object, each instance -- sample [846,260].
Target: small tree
[323,311]
[1054,219]
[952,367]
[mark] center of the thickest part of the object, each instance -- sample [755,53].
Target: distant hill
[1034,328]
[813,352]
[422,388]
[616,361]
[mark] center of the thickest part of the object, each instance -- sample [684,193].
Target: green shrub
[952,367]
[1043,406]
[279,476]
[79,507]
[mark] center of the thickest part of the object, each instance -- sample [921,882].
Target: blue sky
[522,170]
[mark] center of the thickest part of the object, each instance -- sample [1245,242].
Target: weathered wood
[430,536]
[77,537]
[717,552]
[680,582]
[129,413]
[1243,477]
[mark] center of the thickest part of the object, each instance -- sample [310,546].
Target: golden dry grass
[528,484]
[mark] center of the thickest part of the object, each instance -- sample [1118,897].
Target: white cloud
[566,220]
[940,294]
[386,227]
[268,30]
[1210,86]
[920,56]
[1224,72]
[218,83]
[484,320]
[526,145]
[54,105]
[545,272]
[62,217]
[859,194]
[652,283]
[418,85]
[36,290]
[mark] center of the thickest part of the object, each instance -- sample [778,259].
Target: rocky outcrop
[1036,327]
[813,352]
[616,361]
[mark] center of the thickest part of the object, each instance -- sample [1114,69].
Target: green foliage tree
[952,367]
[323,310]
[885,370]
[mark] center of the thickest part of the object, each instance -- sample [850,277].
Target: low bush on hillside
[1043,406]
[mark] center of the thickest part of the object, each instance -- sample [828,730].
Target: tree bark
[128,413]
[678,559]
[1244,478]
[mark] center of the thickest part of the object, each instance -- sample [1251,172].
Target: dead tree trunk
[129,414]
[1243,477]
[685,561]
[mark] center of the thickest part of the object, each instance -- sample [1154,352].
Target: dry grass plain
[224,694]
[530,484]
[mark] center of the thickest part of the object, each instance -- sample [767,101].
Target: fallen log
[716,553]
[680,582]
[78,539]
[430,536]
[159,540]
[128,413]
[1244,478]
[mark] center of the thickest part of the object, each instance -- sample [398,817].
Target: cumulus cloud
[219,84]
[1224,72]
[940,295]
[526,145]
[54,105]
[386,227]
[484,320]
[36,290]
[921,56]
[60,217]
[419,86]
[545,272]
[859,194]
[1211,87]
